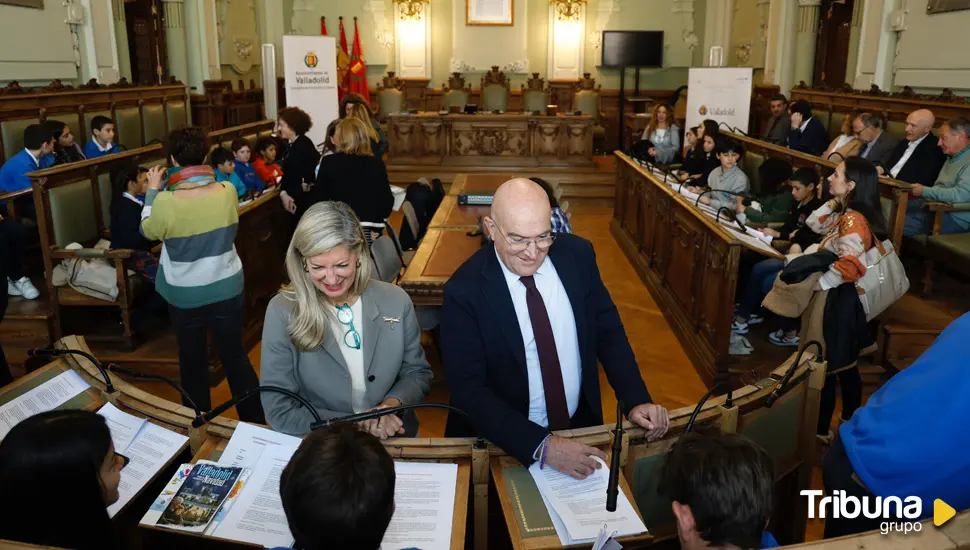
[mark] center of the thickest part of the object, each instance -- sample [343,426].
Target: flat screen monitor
[643,49]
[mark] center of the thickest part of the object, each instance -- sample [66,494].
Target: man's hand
[572,457]
[386,426]
[881,171]
[772,232]
[155,174]
[652,418]
[916,190]
[796,120]
[288,203]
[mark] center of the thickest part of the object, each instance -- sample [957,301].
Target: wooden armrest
[88,253]
[890,329]
[14,195]
[947,207]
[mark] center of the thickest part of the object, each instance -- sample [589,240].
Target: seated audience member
[425,201]
[807,134]
[699,165]
[344,341]
[200,274]
[62,452]
[690,141]
[918,158]
[353,175]
[844,146]
[805,200]
[129,184]
[38,143]
[338,490]
[102,136]
[265,166]
[13,240]
[242,152]
[909,439]
[774,174]
[523,326]
[298,161]
[727,180]
[65,148]
[722,488]
[224,165]
[354,106]
[952,185]
[560,222]
[779,124]
[877,144]
[663,135]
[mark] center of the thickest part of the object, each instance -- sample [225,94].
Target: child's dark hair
[724,145]
[264,143]
[98,123]
[121,176]
[220,156]
[774,173]
[549,191]
[806,176]
[36,135]
[188,146]
[238,144]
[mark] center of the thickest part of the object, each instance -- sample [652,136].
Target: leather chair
[588,100]
[128,127]
[12,133]
[534,96]
[390,97]
[751,164]
[456,92]
[495,90]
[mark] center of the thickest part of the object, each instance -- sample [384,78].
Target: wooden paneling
[221,106]
[892,107]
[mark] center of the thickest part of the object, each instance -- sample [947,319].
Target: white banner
[720,94]
[310,70]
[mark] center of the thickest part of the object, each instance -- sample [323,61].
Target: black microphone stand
[479,443]
[697,409]
[58,352]
[144,376]
[744,196]
[612,487]
[731,216]
[207,417]
[782,387]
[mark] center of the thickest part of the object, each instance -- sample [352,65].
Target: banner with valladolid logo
[310,70]
[720,94]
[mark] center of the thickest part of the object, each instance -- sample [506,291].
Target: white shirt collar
[511,278]
[102,149]
[804,124]
[36,159]
[131,197]
[918,141]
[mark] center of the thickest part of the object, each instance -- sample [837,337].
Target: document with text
[45,397]
[579,506]
[424,506]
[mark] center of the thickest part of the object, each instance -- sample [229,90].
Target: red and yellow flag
[358,68]
[343,63]
[323,26]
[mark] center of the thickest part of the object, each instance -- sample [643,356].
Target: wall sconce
[568,10]
[410,10]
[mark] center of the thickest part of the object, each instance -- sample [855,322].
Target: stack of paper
[149,447]
[45,397]
[578,507]
[424,506]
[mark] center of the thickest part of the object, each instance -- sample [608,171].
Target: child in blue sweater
[242,151]
[225,169]
[36,155]
[102,138]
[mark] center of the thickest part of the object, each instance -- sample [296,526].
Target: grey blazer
[777,130]
[880,150]
[668,147]
[394,363]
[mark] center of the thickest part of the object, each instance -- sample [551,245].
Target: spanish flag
[358,68]
[343,63]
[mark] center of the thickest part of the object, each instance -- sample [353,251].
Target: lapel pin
[392,320]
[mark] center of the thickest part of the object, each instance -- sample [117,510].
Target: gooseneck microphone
[612,487]
[144,376]
[697,409]
[368,415]
[732,215]
[747,198]
[205,418]
[782,387]
[58,352]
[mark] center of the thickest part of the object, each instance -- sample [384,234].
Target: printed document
[424,506]
[45,397]
[578,507]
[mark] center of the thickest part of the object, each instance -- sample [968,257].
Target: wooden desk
[687,261]
[440,254]
[451,215]
[433,139]
[477,182]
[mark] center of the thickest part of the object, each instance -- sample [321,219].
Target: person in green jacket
[774,174]
[952,185]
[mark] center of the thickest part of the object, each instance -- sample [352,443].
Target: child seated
[774,174]
[36,155]
[265,165]
[727,181]
[699,164]
[245,170]
[102,135]
[224,165]
[129,183]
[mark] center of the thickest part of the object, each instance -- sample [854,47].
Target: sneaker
[22,287]
[778,338]
[826,439]
[755,319]
[739,327]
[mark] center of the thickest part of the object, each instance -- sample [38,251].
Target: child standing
[265,166]
[102,136]
[224,166]
[245,170]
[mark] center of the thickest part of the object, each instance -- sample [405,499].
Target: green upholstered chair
[588,101]
[128,126]
[534,100]
[751,164]
[153,118]
[88,117]
[455,92]
[12,132]
[177,114]
[389,101]
[825,118]
[495,90]
[897,128]
[72,214]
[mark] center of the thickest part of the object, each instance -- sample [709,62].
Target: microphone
[732,215]
[829,156]
[144,376]
[479,444]
[782,387]
[612,487]
[57,352]
[205,418]
[747,198]
[697,409]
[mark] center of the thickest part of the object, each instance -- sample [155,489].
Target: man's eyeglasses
[346,317]
[542,242]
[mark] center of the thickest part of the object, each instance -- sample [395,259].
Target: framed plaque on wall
[499,13]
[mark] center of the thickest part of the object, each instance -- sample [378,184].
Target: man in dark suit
[779,124]
[807,134]
[877,145]
[523,324]
[919,158]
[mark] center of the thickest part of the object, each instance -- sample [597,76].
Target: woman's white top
[353,357]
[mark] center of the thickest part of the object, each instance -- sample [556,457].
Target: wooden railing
[221,106]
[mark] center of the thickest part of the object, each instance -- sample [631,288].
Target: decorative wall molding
[605,11]
[302,11]
[685,9]
[764,7]
[519,66]
[174,14]
[459,66]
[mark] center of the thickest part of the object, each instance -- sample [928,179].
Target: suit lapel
[331,345]
[497,295]
[572,281]
[372,330]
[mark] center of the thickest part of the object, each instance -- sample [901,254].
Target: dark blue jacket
[484,355]
[247,174]
[814,140]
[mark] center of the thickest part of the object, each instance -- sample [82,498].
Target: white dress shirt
[31,155]
[804,124]
[133,198]
[906,154]
[353,357]
[105,149]
[563,330]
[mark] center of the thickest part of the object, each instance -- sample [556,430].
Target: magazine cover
[230,500]
[200,497]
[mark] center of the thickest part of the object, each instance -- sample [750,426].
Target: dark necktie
[771,128]
[552,384]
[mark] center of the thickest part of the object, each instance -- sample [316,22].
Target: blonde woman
[346,343]
[844,146]
[355,176]
[663,135]
[354,106]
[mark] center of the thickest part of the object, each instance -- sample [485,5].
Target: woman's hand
[796,120]
[386,426]
[771,232]
[288,203]
[706,200]
[155,174]
[741,208]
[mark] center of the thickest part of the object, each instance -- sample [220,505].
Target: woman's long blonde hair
[324,226]
[350,136]
[362,113]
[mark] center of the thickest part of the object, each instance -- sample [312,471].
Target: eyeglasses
[542,242]
[124,460]
[346,317]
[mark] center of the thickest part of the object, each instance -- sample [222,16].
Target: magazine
[203,492]
[161,502]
